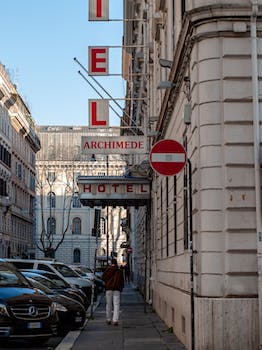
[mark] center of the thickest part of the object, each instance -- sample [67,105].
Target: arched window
[76,201]
[51,226]
[77,255]
[51,200]
[76,226]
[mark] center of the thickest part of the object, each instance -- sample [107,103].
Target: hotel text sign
[113,145]
[102,191]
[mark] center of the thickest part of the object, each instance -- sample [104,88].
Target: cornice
[193,19]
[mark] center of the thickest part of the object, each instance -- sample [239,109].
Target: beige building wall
[209,48]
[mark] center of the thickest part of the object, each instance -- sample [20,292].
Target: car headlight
[3,310]
[59,307]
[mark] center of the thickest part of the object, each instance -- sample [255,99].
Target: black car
[71,313]
[25,312]
[57,284]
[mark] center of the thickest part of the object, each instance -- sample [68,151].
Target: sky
[39,41]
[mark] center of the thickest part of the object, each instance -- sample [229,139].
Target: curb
[69,340]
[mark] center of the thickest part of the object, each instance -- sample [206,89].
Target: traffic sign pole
[168,157]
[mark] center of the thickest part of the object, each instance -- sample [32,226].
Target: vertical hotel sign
[98,10]
[98,58]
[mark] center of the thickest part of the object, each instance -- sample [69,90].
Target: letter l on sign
[98,113]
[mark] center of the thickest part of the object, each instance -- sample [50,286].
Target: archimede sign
[113,145]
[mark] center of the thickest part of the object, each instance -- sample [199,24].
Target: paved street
[50,345]
[136,330]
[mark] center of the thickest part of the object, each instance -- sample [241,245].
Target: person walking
[114,283]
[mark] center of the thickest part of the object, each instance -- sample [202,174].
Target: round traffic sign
[168,157]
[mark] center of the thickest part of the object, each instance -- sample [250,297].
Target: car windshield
[59,282]
[79,271]
[40,286]
[11,278]
[45,281]
[65,271]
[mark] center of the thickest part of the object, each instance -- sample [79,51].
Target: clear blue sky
[39,40]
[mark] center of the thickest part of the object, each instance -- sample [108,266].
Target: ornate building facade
[65,228]
[197,64]
[18,147]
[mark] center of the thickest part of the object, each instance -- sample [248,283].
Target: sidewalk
[136,330]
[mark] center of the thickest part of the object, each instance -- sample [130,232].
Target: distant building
[18,146]
[61,219]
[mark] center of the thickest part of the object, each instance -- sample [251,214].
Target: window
[76,201]
[76,226]
[32,183]
[183,8]
[44,267]
[19,170]
[51,176]
[3,188]
[51,226]
[51,200]
[23,265]
[5,156]
[77,255]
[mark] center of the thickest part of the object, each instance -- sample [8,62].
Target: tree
[47,184]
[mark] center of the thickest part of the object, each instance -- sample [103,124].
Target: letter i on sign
[98,10]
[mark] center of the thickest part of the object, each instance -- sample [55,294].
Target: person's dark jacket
[113,277]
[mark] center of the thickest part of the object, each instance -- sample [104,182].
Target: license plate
[78,319]
[34,325]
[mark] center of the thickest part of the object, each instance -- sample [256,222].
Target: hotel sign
[113,145]
[113,191]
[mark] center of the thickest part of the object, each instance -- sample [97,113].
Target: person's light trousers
[112,304]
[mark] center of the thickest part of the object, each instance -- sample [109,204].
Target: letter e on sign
[98,60]
[98,113]
[98,10]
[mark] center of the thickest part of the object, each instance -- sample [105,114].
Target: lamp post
[107,242]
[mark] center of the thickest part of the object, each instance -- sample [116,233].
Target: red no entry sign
[168,157]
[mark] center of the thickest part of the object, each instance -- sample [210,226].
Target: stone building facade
[199,65]
[61,219]
[18,146]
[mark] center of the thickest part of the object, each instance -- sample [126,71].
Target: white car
[62,270]
[88,273]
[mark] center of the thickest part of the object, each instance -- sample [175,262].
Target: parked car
[71,315]
[49,279]
[58,268]
[86,272]
[25,312]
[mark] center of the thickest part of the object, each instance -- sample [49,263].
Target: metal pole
[105,227]
[191,257]
[256,134]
